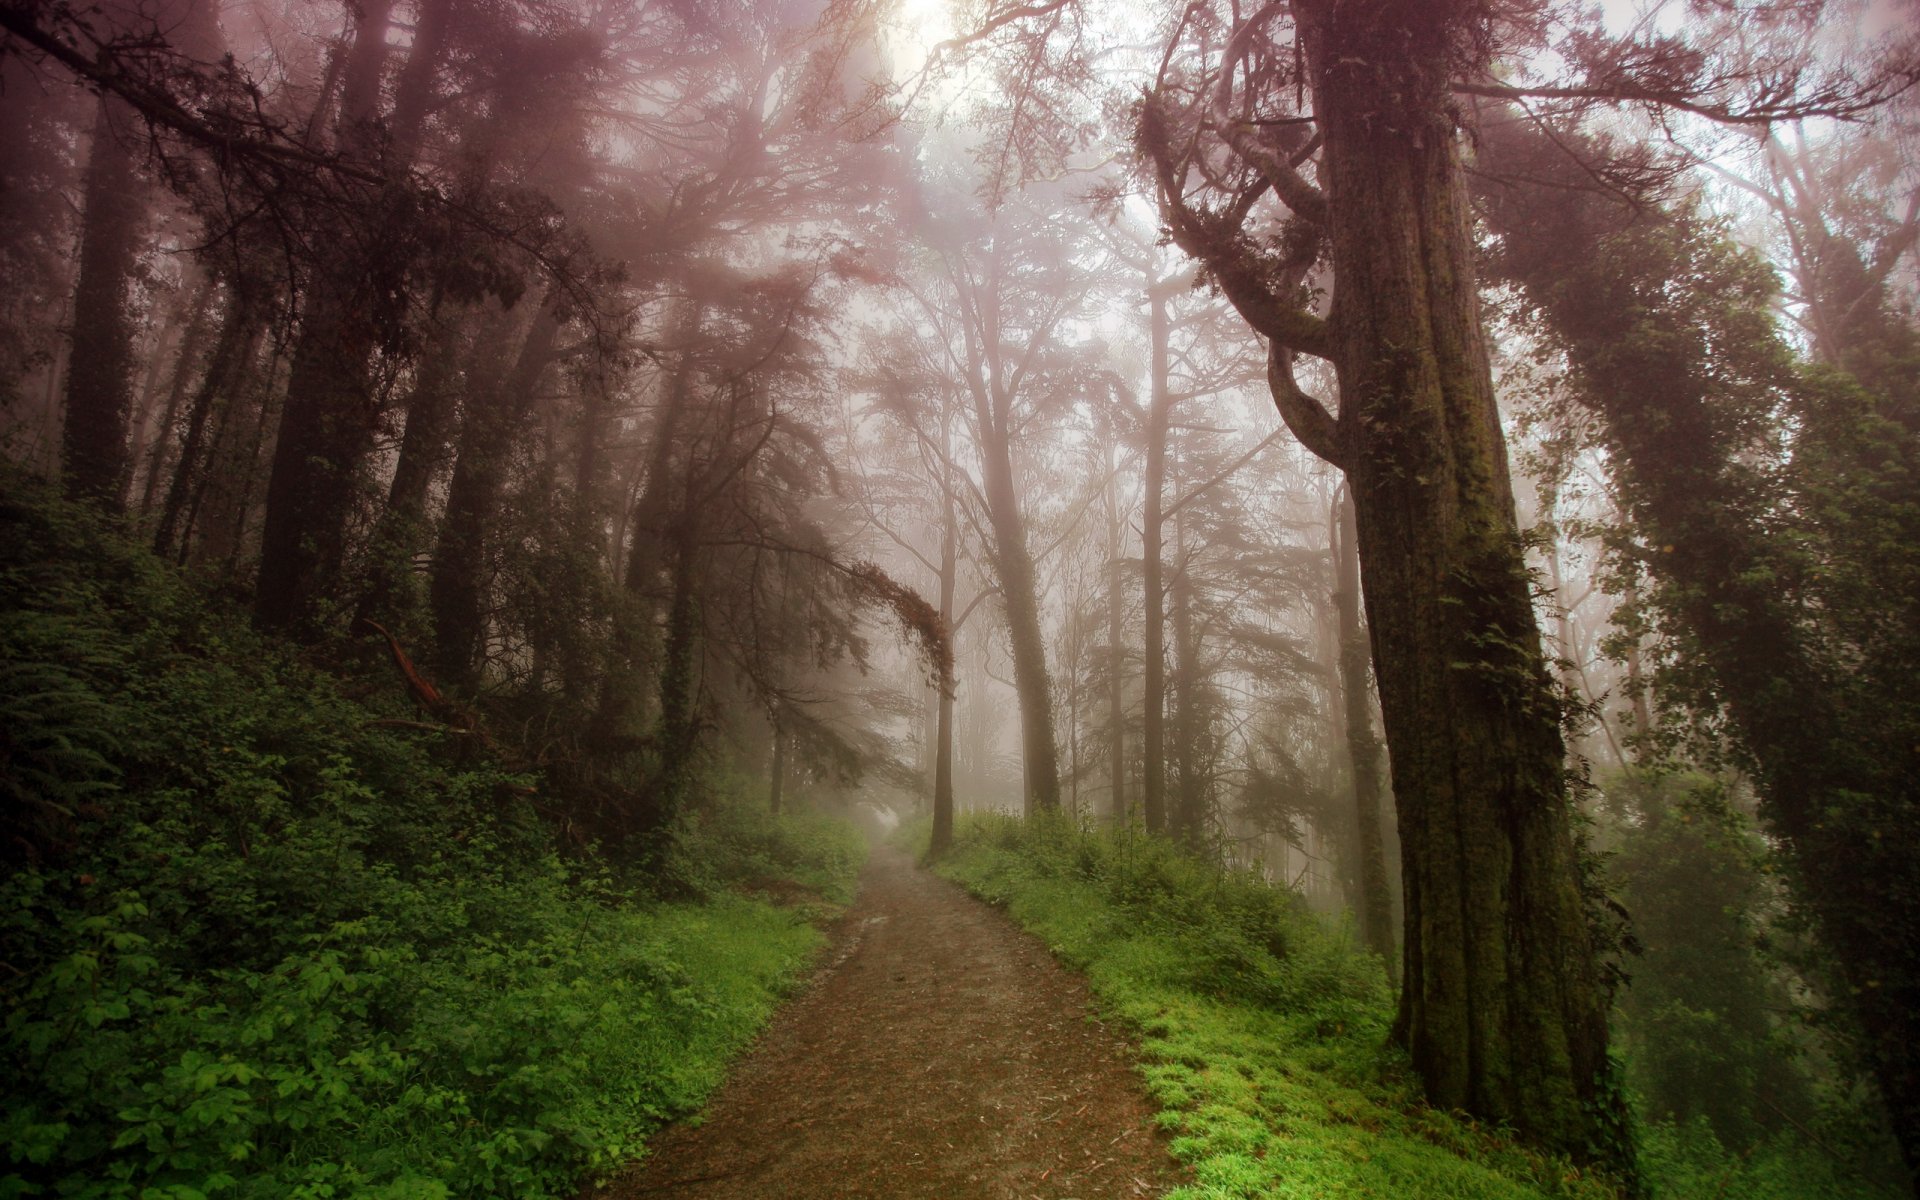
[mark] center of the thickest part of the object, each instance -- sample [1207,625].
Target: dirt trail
[939,1053]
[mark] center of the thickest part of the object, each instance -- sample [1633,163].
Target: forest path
[938,1053]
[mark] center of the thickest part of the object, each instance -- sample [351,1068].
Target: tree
[1009,287]
[1784,570]
[100,365]
[1503,1005]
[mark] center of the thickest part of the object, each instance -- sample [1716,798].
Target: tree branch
[1317,429]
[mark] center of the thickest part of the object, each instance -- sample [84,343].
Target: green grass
[1263,1034]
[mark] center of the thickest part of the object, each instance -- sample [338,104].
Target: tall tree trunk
[1363,750]
[1116,650]
[226,368]
[677,733]
[943,722]
[1190,793]
[497,413]
[402,528]
[1153,592]
[193,344]
[332,407]
[632,624]
[778,770]
[1502,1009]
[93,457]
[1019,593]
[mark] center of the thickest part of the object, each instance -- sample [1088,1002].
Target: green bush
[266,941]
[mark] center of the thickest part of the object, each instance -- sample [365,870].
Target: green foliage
[1723,1051]
[733,841]
[1687,1162]
[1264,1034]
[266,942]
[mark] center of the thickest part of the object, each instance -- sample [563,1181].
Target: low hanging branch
[917,619]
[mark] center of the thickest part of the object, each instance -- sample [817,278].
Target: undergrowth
[263,939]
[1263,1033]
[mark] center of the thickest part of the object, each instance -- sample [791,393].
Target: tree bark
[1363,750]
[1502,1007]
[942,840]
[496,414]
[1019,594]
[1116,652]
[1153,593]
[93,458]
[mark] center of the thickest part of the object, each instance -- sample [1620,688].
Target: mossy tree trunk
[1503,1007]
[1363,749]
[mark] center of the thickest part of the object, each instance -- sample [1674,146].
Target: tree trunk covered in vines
[1807,635]
[1502,1008]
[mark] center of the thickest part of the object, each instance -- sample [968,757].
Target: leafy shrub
[267,942]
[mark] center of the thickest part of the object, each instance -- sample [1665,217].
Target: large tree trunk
[1502,1008]
[333,408]
[1363,750]
[93,456]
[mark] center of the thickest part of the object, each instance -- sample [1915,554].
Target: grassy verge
[266,938]
[1263,1033]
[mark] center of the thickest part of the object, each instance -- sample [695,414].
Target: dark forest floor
[938,1052]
